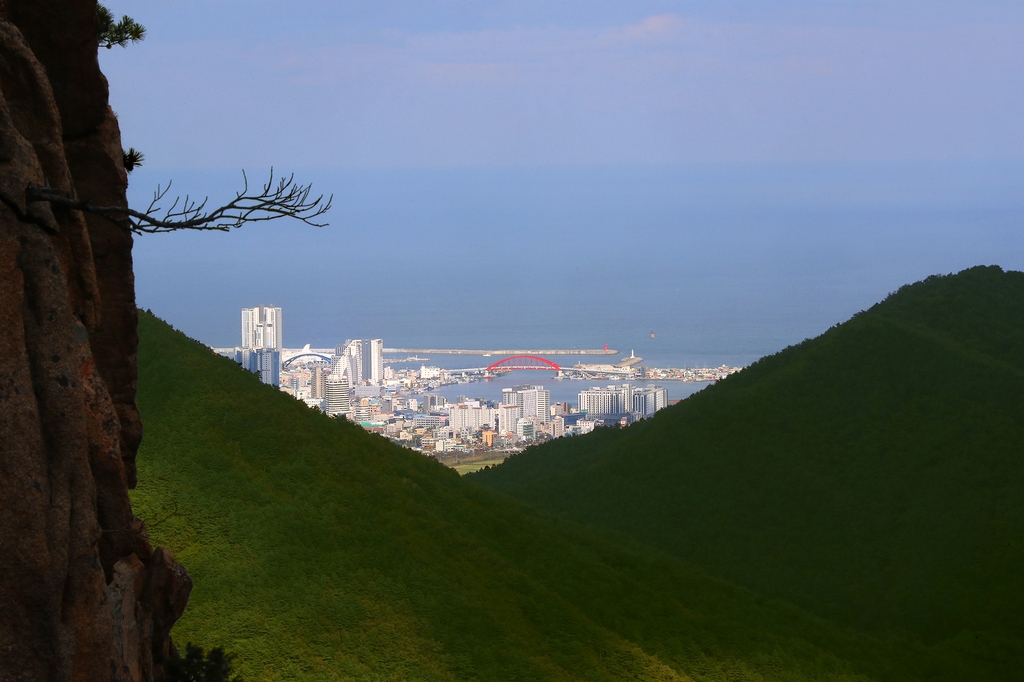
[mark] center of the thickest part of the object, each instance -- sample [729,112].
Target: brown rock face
[83,595]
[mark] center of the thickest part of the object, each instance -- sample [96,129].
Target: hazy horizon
[575,258]
[734,179]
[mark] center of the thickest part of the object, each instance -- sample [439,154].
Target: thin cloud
[660,28]
[664,89]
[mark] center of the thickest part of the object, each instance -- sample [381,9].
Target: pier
[501,352]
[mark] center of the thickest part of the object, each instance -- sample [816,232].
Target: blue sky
[223,83]
[744,174]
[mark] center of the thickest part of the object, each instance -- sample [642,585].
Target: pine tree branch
[120,33]
[285,200]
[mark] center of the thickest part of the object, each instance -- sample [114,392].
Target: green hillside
[873,475]
[321,552]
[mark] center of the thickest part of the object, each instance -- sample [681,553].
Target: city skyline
[352,381]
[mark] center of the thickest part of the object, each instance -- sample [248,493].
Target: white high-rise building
[608,400]
[373,360]
[262,341]
[508,416]
[252,329]
[354,350]
[337,401]
[262,328]
[339,363]
[348,359]
[543,405]
[535,401]
[648,400]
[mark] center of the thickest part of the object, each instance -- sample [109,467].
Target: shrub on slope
[874,475]
[321,552]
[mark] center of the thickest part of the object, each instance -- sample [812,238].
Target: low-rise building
[557,427]
[525,429]
[467,417]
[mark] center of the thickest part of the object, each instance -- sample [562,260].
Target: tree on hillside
[197,666]
[119,33]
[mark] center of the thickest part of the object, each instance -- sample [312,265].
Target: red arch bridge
[525,362]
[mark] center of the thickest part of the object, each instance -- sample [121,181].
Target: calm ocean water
[695,266]
[562,390]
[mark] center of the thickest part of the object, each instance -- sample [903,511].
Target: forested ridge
[873,475]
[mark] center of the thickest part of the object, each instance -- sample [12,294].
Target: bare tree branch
[285,200]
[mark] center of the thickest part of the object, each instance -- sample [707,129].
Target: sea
[698,265]
[562,390]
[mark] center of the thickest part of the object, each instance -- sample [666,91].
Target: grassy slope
[874,475]
[322,552]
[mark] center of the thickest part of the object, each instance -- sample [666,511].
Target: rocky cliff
[83,595]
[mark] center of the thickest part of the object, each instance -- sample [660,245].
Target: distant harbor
[458,351]
[428,409]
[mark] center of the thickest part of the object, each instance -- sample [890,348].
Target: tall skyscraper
[262,342]
[252,329]
[543,405]
[373,360]
[338,401]
[339,363]
[317,383]
[262,328]
[349,357]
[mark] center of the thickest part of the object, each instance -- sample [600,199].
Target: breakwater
[458,351]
